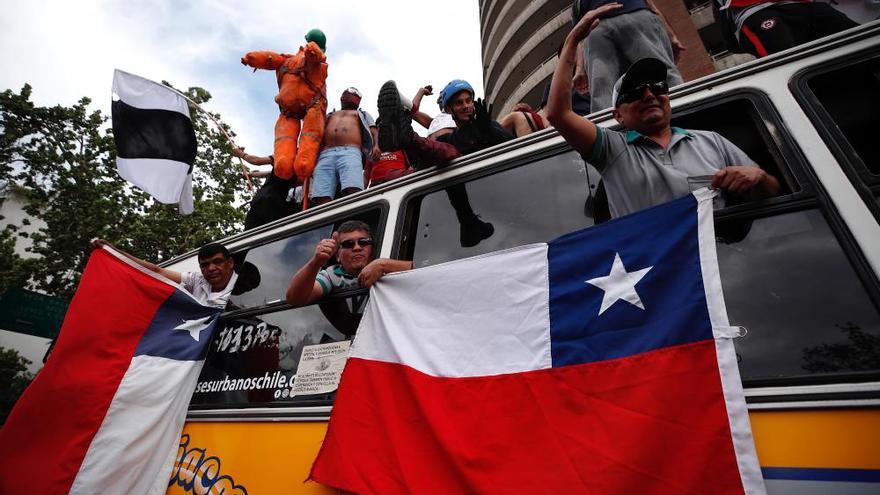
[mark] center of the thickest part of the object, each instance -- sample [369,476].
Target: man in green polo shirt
[650,162]
[352,244]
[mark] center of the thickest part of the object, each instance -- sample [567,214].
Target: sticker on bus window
[320,368]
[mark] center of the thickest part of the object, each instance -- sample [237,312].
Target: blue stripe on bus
[822,474]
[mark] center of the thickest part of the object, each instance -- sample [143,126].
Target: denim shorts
[342,164]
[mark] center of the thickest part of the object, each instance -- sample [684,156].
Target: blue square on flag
[628,286]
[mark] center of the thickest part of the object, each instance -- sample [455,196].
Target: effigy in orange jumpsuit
[302,96]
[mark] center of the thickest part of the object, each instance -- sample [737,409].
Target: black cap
[644,70]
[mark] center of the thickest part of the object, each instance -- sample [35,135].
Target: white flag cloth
[155,139]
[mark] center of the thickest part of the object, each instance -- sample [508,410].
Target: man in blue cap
[474,131]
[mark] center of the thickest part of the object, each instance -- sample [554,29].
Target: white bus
[801,271]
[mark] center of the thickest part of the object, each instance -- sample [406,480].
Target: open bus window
[253,360]
[268,268]
[789,283]
[850,96]
[743,126]
[274,263]
[532,203]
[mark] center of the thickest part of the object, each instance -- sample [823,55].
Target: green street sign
[28,312]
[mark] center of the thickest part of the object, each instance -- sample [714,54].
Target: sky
[68,49]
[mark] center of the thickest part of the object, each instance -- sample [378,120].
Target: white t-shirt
[196,284]
[442,121]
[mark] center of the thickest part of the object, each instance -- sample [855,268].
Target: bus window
[531,203]
[789,283]
[849,96]
[746,128]
[254,359]
[276,262]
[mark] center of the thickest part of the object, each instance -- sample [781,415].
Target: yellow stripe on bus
[828,438]
[262,458]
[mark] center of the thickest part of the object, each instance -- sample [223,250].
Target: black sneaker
[473,230]
[395,121]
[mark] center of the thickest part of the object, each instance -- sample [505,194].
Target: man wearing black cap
[650,162]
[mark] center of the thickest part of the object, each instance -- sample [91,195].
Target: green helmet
[318,37]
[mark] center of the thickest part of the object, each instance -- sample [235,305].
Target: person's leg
[641,34]
[767,31]
[310,141]
[350,168]
[826,20]
[472,229]
[286,134]
[429,152]
[269,203]
[395,119]
[516,123]
[323,184]
[602,64]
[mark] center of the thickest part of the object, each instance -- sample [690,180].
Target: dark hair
[211,249]
[354,225]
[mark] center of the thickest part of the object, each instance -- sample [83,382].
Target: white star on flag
[195,327]
[619,284]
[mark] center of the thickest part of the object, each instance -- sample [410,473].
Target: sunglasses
[658,88]
[349,243]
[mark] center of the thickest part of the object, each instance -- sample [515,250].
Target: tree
[861,352]
[14,378]
[64,160]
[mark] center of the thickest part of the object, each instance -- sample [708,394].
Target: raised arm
[421,117]
[580,81]
[252,159]
[264,59]
[579,132]
[304,288]
[169,274]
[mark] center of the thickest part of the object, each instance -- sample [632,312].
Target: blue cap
[454,87]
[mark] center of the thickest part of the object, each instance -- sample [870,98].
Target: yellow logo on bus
[199,474]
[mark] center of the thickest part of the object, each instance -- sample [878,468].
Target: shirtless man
[349,136]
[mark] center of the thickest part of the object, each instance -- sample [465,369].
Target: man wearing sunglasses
[352,244]
[649,162]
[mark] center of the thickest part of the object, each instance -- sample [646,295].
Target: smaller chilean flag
[105,413]
[599,363]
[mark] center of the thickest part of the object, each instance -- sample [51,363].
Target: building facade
[520,39]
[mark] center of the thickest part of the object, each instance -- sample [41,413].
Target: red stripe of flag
[51,427]
[594,429]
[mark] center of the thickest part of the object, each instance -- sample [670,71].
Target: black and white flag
[155,139]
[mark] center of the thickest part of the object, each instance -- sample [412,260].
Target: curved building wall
[520,39]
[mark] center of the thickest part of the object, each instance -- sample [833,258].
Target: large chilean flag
[600,363]
[105,413]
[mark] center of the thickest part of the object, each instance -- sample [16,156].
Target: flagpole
[228,137]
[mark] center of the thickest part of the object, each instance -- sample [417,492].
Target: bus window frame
[846,155]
